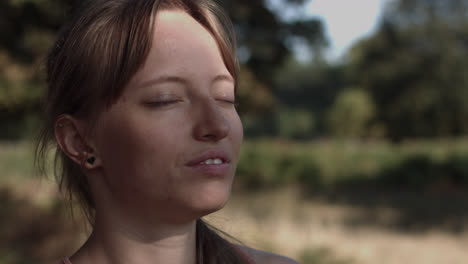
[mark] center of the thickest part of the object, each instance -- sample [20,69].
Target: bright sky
[346,21]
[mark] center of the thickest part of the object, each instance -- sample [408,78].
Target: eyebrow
[177,79]
[223,77]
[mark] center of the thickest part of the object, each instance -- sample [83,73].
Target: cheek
[135,156]
[118,142]
[237,133]
[128,145]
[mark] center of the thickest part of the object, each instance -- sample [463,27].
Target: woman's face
[171,142]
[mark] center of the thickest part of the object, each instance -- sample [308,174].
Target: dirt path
[284,223]
[287,225]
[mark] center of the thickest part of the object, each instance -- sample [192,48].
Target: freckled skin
[144,147]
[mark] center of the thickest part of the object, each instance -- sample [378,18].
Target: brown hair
[97,52]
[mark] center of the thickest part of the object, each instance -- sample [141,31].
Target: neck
[115,242]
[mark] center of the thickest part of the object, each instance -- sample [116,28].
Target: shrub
[326,165]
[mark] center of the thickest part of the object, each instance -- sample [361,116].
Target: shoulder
[263,257]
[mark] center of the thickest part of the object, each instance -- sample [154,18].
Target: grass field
[357,207]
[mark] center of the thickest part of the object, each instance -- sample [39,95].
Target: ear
[70,136]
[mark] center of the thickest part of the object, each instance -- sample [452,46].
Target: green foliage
[415,69]
[263,38]
[310,87]
[301,98]
[253,94]
[420,172]
[272,164]
[30,26]
[417,166]
[263,35]
[16,160]
[350,115]
[295,124]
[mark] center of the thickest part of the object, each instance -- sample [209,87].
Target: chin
[211,201]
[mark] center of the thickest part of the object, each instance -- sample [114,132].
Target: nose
[211,123]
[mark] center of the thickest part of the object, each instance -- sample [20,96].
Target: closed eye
[162,103]
[228,103]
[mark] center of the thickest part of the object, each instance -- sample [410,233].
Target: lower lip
[212,169]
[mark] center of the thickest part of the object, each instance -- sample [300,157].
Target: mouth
[210,157]
[215,161]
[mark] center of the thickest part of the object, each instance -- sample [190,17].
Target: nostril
[214,131]
[211,126]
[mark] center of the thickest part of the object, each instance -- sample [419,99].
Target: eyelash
[227,101]
[162,103]
[167,103]
[234,103]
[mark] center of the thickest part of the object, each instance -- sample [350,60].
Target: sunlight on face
[171,142]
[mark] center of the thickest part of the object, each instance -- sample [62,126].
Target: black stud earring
[91,160]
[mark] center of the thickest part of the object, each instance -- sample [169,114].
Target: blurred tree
[312,87]
[28,28]
[350,115]
[415,68]
[295,123]
[299,89]
[265,42]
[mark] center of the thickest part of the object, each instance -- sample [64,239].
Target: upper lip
[209,154]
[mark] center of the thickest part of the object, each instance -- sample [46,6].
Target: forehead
[181,46]
[178,25]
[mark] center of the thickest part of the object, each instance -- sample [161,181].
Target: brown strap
[246,257]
